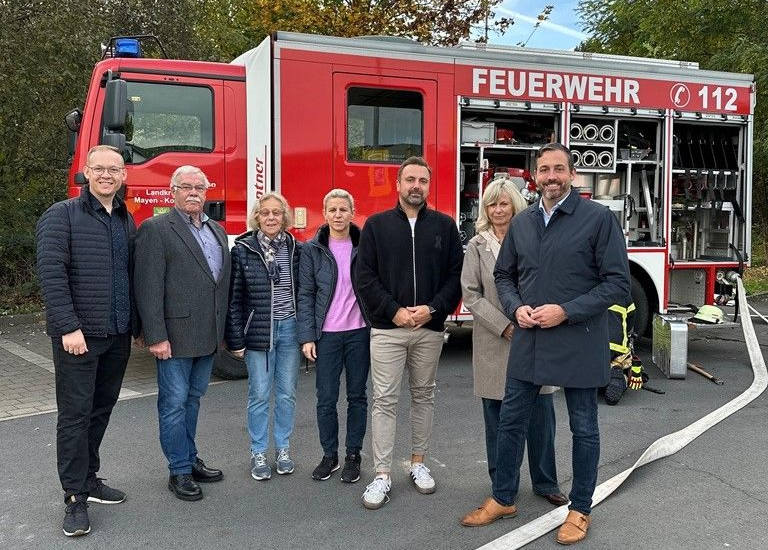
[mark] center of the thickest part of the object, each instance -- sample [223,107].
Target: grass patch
[756,280]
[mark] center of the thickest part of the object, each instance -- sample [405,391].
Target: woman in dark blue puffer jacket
[261,327]
[334,333]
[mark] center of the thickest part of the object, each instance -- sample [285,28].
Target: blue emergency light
[127,47]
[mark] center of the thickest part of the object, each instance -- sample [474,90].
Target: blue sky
[560,32]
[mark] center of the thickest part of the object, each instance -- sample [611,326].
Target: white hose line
[753,310]
[665,446]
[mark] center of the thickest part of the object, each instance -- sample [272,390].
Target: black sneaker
[616,387]
[351,471]
[327,466]
[104,494]
[76,520]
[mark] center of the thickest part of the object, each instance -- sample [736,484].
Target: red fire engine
[663,144]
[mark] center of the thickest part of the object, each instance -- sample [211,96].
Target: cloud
[562,29]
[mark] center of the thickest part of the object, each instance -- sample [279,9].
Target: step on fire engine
[666,146]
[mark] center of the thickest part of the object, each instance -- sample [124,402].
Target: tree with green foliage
[47,51]
[721,35]
[238,25]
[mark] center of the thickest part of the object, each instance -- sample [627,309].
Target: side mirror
[115,140]
[73,119]
[115,105]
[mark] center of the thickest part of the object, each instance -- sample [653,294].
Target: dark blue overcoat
[578,261]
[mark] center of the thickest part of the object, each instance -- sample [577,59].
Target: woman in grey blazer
[491,335]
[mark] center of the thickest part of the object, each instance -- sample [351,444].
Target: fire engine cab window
[168,117]
[383,125]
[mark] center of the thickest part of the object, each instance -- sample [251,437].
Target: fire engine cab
[666,146]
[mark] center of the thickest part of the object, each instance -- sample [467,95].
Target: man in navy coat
[563,263]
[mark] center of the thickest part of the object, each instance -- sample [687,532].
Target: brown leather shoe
[489,512]
[556,499]
[575,528]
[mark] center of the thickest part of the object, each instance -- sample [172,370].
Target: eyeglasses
[276,213]
[112,170]
[188,188]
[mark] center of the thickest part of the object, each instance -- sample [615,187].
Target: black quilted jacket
[74,266]
[249,319]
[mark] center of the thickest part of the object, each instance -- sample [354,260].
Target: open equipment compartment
[499,138]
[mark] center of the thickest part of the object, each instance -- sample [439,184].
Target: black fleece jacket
[397,269]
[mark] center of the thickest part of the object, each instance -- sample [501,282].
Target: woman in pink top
[334,333]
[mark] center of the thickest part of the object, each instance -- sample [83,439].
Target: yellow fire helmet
[712,315]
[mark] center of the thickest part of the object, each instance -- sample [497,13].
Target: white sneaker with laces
[376,494]
[425,483]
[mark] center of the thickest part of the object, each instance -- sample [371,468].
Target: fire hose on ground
[661,448]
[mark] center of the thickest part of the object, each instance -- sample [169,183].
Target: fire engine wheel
[642,309]
[229,367]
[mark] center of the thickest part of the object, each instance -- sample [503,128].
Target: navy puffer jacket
[318,274]
[74,266]
[249,319]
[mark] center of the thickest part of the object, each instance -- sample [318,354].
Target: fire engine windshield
[168,117]
[383,125]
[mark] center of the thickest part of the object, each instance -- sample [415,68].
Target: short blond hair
[253,217]
[101,149]
[339,194]
[491,195]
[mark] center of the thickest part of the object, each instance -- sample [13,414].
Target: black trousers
[87,387]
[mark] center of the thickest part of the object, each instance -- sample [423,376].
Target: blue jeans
[181,382]
[349,350]
[516,409]
[278,367]
[540,440]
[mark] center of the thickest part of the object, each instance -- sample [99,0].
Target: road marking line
[27,355]
[662,447]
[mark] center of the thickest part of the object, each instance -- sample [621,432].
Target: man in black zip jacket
[408,271]
[84,264]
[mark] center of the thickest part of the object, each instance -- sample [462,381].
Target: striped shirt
[282,301]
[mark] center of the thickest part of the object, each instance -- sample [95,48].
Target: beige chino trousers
[393,351]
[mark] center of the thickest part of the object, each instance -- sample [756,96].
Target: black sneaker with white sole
[104,494]
[327,466]
[76,521]
[351,471]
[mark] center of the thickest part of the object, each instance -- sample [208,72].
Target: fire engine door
[378,123]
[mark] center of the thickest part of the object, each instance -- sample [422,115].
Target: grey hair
[187,169]
[339,194]
[253,217]
[492,194]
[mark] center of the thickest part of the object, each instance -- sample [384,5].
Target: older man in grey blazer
[182,287]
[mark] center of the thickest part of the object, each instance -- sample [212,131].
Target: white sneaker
[376,494]
[421,477]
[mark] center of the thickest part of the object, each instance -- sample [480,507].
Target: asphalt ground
[709,495]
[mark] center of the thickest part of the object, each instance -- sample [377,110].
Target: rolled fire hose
[591,132]
[588,158]
[662,447]
[576,156]
[606,133]
[605,159]
[577,131]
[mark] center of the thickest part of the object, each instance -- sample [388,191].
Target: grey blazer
[490,350]
[177,298]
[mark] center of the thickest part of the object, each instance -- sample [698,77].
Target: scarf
[270,248]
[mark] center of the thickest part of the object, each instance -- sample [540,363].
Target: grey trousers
[393,351]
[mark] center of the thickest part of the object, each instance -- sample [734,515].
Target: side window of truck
[168,117]
[383,125]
